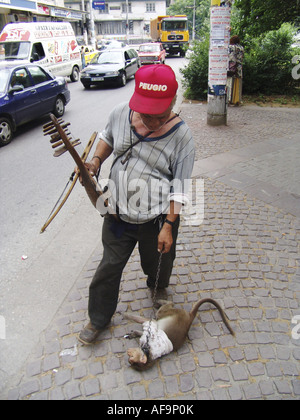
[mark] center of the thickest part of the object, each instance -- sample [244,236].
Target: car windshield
[4,78]
[149,48]
[14,50]
[109,57]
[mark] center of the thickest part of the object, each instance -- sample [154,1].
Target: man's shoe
[160,294]
[88,335]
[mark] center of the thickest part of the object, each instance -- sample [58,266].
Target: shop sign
[99,5]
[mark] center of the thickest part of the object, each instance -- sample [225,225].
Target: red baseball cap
[155,88]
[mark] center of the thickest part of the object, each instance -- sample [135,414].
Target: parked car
[152,53]
[49,44]
[108,66]
[28,91]
[109,44]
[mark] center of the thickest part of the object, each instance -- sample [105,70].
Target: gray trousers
[104,289]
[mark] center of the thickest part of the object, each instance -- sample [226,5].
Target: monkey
[174,322]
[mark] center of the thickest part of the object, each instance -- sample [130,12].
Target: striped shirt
[157,171]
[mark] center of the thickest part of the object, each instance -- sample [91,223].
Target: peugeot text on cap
[155,88]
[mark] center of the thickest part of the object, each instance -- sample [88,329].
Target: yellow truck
[172,32]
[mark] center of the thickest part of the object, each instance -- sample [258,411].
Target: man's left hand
[165,239]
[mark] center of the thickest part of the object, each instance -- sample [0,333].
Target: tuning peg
[59,143]
[63,149]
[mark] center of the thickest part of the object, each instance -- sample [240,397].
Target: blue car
[28,91]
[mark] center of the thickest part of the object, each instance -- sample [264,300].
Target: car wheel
[59,108]
[6,131]
[123,79]
[75,74]
[86,86]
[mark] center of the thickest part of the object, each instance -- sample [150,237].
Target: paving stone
[186,382]
[156,389]
[51,362]
[63,377]
[34,368]
[91,386]
[72,390]
[239,372]
[252,391]
[205,360]
[139,392]
[29,388]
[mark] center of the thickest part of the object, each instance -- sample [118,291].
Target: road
[33,287]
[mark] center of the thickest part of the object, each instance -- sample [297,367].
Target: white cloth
[159,342]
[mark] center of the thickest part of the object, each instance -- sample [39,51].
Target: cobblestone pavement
[245,254]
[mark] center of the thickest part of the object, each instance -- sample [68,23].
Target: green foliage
[267,67]
[254,17]
[186,7]
[266,29]
[196,73]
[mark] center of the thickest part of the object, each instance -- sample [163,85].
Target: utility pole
[127,23]
[194,20]
[92,25]
[220,14]
[84,33]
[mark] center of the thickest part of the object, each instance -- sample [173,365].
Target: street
[32,180]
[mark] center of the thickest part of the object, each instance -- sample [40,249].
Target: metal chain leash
[157,277]
[146,346]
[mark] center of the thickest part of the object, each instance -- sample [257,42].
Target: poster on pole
[218,54]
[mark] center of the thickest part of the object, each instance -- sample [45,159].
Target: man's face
[155,122]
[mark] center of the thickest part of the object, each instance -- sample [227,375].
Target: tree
[268,63]
[186,7]
[254,17]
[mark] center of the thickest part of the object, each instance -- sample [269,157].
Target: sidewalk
[245,254]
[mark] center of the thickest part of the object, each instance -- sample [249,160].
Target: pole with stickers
[220,15]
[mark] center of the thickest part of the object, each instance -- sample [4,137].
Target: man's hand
[101,153]
[165,239]
[91,167]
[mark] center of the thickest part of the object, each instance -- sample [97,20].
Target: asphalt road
[37,270]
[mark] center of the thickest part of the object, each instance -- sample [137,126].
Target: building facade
[35,11]
[113,20]
[105,19]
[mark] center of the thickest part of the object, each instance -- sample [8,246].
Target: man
[153,156]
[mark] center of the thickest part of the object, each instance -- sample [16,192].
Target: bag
[232,68]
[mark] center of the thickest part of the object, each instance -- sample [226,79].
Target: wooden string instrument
[61,140]
[73,179]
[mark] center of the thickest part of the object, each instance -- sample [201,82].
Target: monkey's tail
[197,305]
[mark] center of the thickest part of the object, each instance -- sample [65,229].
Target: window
[105,11]
[132,54]
[4,77]
[150,7]
[16,50]
[111,28]
[38,75]
[124,8]
[37,52]
[174,25]
[20,77]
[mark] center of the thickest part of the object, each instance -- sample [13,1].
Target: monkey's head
[138,359]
